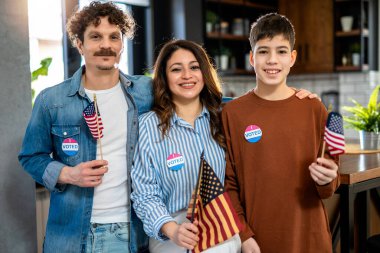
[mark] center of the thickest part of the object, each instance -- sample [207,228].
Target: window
[45,40]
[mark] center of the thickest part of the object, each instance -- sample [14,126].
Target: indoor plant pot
[366,120]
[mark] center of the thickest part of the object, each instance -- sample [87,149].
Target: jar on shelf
[238,26]
[224,27]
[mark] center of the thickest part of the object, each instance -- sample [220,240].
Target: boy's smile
[272,59]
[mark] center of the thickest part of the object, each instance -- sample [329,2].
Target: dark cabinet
[356,35]
[322,43]
[226,31]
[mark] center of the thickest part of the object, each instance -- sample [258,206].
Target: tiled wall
[353,85]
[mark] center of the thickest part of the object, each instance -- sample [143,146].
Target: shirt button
[64,133]
[131,148]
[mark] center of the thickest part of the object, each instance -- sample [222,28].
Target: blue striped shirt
[165,171]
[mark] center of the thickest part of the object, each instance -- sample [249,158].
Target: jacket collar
[76,82]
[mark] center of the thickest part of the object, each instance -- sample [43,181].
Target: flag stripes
[334,135]
[93,120]
[217,220]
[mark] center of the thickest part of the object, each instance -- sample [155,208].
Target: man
[90,209]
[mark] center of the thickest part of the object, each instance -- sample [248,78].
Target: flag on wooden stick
[94,121]
[212,207]
[334,135]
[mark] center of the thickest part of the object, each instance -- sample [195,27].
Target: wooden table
[359,174]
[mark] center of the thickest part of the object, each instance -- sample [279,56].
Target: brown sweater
[269,181]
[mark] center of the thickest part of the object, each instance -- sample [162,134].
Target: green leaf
[364,118]
[372,104]
[43,70]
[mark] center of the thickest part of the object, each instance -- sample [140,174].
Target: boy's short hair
[270,25]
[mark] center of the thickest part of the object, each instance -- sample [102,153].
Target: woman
[184,122]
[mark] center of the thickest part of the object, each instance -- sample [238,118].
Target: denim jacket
[56,116]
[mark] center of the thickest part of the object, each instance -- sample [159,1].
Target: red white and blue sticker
[70,146]
[175,161]
[253,133]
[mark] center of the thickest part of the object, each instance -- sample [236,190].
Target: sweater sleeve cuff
[246,233]
[327,190]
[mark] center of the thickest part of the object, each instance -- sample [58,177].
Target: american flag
[89,114]
[334,135]
[217,219]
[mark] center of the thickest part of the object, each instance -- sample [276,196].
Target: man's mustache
[105,52]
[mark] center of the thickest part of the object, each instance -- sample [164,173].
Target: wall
[17,195]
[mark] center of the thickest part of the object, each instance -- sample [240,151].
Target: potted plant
[225,54]
[211,20]
[355,53]
[366,120]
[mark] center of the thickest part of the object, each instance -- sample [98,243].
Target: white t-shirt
[111,202]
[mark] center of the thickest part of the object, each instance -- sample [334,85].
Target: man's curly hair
[80,20]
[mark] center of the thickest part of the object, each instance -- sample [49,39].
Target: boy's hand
[301,94]
[250,246]
[323,171]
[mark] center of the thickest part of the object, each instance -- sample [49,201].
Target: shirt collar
[176,119]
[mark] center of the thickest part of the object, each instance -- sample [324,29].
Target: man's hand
[301,94]
[87,174]
[184,235]
[323,171]
[250,246]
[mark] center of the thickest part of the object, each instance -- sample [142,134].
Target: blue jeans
[108,238]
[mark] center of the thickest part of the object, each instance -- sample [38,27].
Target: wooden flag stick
[324,142]
[197,190]
[323,149]
[97,126]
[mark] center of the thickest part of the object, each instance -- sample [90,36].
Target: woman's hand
[184,235]
[250,246]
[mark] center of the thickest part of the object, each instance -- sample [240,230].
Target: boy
[274,176]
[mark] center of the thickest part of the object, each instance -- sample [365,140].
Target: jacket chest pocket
[66,143]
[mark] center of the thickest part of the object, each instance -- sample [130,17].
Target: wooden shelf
[216,42]
[244,3]
[230,72]
[348,68]
[355,32]
[340,1]
[260,6]
[226,36]
[233,2]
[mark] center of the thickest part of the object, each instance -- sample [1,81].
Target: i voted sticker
[253,133]
[70,146]
[175,161]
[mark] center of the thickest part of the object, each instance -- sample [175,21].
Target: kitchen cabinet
[313,23]
[226,32]
[356,35]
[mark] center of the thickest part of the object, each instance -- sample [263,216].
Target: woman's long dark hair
[210,96]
